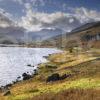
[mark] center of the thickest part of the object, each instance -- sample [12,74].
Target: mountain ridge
[89,32]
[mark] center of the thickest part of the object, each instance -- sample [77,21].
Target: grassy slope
[84,68]
[71,94]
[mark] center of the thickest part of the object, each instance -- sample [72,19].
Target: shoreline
[30,76]
[33,46]
[36,70]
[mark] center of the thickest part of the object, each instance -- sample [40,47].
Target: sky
[48,16]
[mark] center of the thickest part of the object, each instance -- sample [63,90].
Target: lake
[14,61]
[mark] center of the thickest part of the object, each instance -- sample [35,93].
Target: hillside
[87,35]
[18,35]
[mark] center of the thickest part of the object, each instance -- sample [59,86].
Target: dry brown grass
[71,94]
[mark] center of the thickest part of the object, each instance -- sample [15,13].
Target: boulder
[8,85]
[18,77]
[53,77]
[35,72]
[29,65]
[56,77]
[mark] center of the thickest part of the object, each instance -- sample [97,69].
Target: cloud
[36,21]
[9,30]
[86,15]
[41,24]
[5,19]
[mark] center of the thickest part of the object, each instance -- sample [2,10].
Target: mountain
[18,35]
[44,34]
[86,26]
[10,35]
[87,35]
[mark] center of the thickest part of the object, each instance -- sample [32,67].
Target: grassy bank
[84,68]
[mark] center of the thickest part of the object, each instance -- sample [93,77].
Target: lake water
[14,61]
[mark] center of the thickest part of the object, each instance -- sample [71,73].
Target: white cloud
[86,15]
[36,21]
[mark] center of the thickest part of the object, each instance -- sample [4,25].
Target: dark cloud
[5,20]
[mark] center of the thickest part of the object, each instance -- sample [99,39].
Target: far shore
[25,45]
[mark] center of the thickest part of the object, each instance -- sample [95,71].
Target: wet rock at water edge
[19,77]
[45,57]
[26,76]
[8,85]
[29,65]
[35,72]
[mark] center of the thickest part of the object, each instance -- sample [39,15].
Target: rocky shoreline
[25,76]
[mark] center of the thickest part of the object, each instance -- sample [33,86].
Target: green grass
[84,83]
